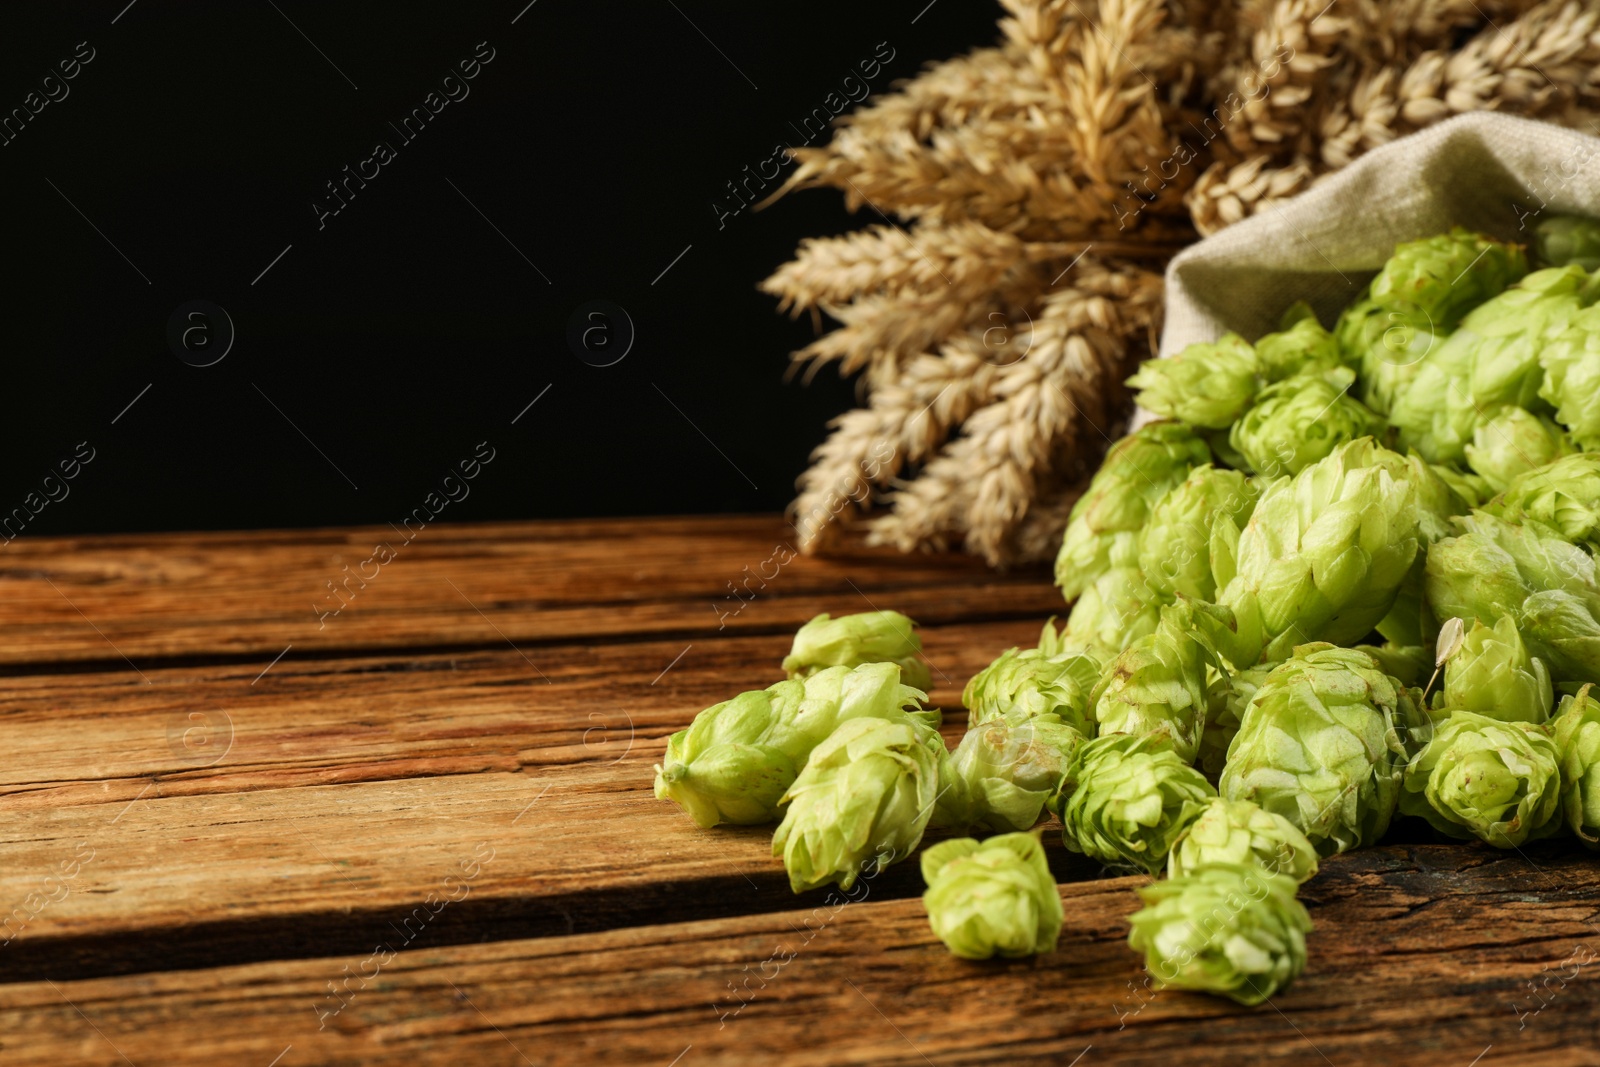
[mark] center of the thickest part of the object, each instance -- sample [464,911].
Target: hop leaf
[1123,800]
[1513,442]
[1238,831]
[1031,685]
[1493,359]
[1497,781]
[993,898]
[1225,928]
[1576,727]
[1493,675]
[1323,555]
[1175,547]
[851,640]
[1001,774]
[736,759]
[1159,685]
[1299,421]
[1103,529]
[861,803]
[1319,746]
[1208,384]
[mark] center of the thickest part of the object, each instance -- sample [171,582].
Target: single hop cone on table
[1224,928]
[994,898]
[1051,683]
[1493,675]
[1480,777]
[1208,384]
[1565,496]
[1238,831]
[1001,774]
[1175,547]
[1576,728]
[852,640]
[1123,800]
[1319,745]
[1322,558]
[1161,684]
[1514,441]
[1300,420]
[861,803]
[1493,359]
[1103,528]
[738,757]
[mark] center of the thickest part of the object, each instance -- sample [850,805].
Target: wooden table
[242,830]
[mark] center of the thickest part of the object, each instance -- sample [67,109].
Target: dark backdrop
[375,347]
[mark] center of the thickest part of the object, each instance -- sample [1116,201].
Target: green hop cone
[1174,549]
[1410,620]
[1001,774]
[1237,831]
[1514,441]
[861,803]
[1226,928]
[1034,685]
[1302,346]
[1323,555]
[1493,359]
[851,640]
[1118,608]
[1123,800]
[1103,529]
[1562,239]
[1576,727]
[1319,746]
[1300,420]
[1409,665]
[736,759]
[995,898]
[1480,777]
[1530,573]
[1208,384]
[1571,383]
[1387,345]
[1565,496]
[1493,675]
[1160,685]
[1225,714]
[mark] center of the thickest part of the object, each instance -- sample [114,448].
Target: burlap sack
[1492,173]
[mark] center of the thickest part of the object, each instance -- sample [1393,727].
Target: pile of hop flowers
[1269,582]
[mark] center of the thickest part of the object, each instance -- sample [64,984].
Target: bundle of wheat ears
[1030,194]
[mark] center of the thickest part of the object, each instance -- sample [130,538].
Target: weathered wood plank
[125,599]
[329,796]
[1421,955]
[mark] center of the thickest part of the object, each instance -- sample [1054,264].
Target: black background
[407,330]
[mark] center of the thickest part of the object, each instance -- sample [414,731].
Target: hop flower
[1498,781]
[1301,346]
[1562,239]
[861,802]
[1564,496]
[993,898]
[1238,831]
[1513,442]
[1159,685]
[1123,800]
[1319,746]
[1493,675]
[1388,345]
[1530,573]
[1493,359]
[1299,421]
[1174,549]
[1001,774]
[736,759]
[1323,555]
[1033,685]
[1208,384]
[1571,383]
[1225,928]
[1113,612]
[851,640]
[1224,716]
[1103,529]
[1576,727]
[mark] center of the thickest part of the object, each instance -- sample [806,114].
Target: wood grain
[1420,956]
[137,600]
